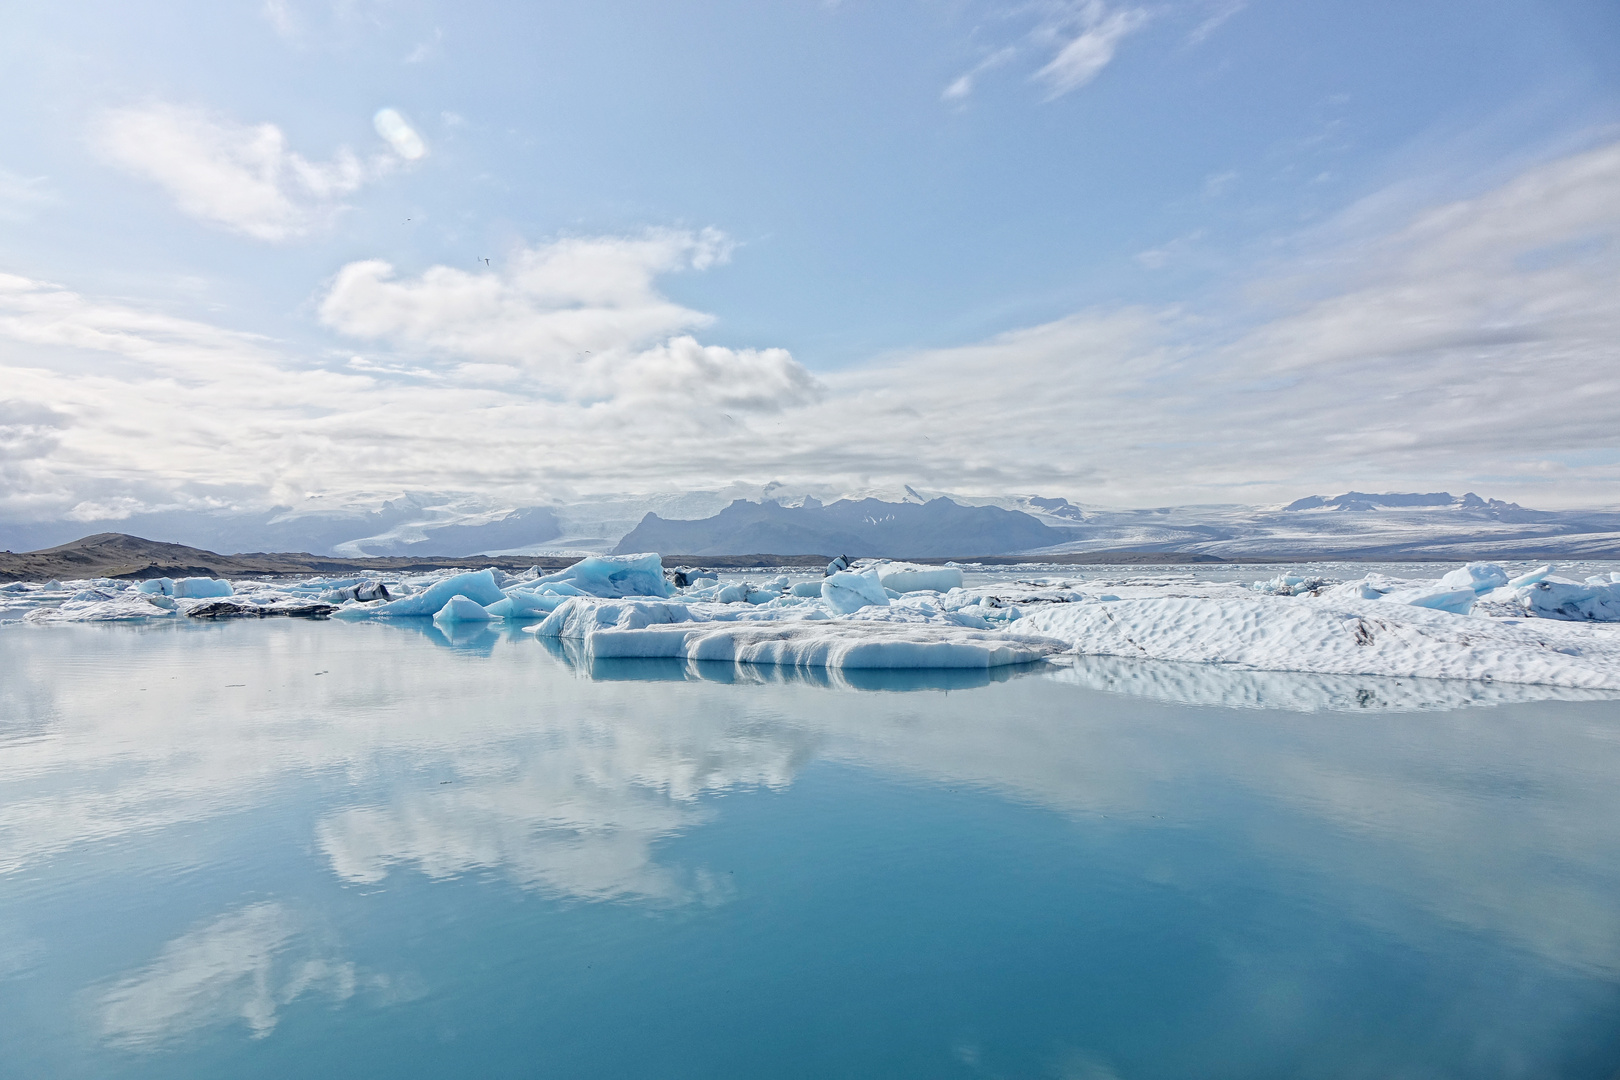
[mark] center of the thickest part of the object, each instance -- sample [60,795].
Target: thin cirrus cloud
[1079,39]
[1082,57]
[1475,340]
[245,178]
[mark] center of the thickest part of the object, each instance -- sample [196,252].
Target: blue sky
[1128,253]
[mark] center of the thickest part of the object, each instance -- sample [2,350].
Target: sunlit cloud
[245,178]
[399,134]
[1474,340]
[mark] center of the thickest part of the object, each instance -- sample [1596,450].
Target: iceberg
[522,604]
[478,586]
[1552,598]
[1478,577]
[1358,638]
[461,609]
[613,576]
[905,577]
[847,591]
[200,588]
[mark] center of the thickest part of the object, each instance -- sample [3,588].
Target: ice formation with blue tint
[613,576]
[1473,622]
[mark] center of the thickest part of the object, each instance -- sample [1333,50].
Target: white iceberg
[1379,638]
[614,576]
[478,586]
[460,609]
[848,591]
[903,577]
[201,588]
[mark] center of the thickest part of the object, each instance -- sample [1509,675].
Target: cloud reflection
[241,967]
[508,763]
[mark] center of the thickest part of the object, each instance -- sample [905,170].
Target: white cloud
[1475,341]
[1083,56]
[579,319]
[962,87]
[243,177]
[399,134]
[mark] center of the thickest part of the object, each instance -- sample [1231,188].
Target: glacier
[1473,622]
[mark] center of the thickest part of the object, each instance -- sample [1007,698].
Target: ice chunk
[121,607]
[521,604]
[735,593]
[806,588]
[477,586]
[161,586]
[1479,577]
[1456,601]
[200,588]
[615,576]
[848,591]
[460,609]
[579,617]
[1586,602]
[1353,638]
[1531,578]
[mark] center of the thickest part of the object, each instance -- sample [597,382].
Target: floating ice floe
[1472,623]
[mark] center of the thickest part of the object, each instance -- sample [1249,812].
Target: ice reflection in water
[402,755]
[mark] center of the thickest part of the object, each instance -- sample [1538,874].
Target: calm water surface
[325,849]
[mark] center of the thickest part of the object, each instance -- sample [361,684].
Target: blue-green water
[324,849]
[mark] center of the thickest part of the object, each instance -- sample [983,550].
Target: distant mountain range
[907,522]
[859,527]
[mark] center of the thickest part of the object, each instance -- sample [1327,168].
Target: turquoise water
[324,849]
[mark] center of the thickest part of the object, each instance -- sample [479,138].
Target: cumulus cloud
[580,318]
[1472,345]
[241,177]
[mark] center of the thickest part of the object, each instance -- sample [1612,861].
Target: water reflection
[670,669]
[1295,691]
[401,760]
[242,966]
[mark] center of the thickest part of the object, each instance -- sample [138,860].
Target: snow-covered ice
[1475,622]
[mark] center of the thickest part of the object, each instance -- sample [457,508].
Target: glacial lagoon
[280,847]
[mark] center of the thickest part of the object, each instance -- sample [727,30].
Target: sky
[1129,253]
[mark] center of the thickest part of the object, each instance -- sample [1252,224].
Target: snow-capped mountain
[900,522]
